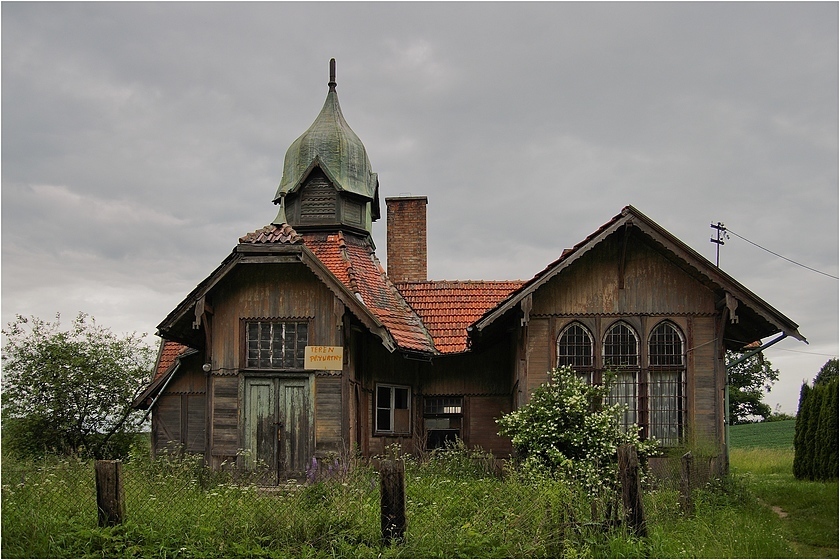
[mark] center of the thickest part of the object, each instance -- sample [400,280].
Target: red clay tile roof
[169,351]
[449,307]
[272,234]
[351,259]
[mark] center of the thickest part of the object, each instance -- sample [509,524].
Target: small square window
[393,409]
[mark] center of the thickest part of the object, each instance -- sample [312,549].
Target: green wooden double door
[279,431]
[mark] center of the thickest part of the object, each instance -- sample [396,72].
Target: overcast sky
[140,140]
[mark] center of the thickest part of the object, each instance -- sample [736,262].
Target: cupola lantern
[327,179]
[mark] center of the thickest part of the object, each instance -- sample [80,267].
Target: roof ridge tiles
[272,233]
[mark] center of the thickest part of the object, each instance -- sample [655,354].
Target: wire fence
[454,507]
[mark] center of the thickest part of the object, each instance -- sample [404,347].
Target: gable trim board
[674,249]
[249,254]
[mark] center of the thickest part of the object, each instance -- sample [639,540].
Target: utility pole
[721,235]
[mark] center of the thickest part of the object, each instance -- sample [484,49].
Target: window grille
[276,344]
[621,353]
[666,346]
[621,346]
[667,406]
[574,349]
[666,385]
[625,390]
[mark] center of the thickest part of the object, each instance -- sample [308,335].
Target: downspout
[743,358]
[162,389]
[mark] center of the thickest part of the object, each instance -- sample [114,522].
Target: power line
[780,256]
[809,353]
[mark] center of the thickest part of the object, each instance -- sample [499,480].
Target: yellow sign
[323,357]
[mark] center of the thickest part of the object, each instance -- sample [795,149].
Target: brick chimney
[406,238]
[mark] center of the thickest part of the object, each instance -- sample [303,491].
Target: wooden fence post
[686,466]
[631,492]
[110,498]
[392,500]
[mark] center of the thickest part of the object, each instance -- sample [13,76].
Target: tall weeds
[459,503]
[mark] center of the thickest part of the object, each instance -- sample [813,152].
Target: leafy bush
[70,391]
[566,430]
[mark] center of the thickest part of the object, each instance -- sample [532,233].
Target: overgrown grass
[457,505]
[807,511]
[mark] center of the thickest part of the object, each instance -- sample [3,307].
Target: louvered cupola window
[318,200]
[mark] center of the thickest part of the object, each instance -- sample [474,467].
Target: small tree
[71,391]
[566,429]
[827,373]
[816,437]
[748,382]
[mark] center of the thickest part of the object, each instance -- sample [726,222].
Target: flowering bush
[566,430]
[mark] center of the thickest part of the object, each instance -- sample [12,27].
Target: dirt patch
[776,509]
[779,511]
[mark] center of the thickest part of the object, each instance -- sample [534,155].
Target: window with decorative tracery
[575,349]
[666,384]
[621,358]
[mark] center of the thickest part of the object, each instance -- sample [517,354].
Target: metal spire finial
[332,83]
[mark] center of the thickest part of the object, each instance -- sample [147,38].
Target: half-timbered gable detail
[301,345]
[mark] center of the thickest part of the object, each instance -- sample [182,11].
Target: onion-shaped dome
[330,144]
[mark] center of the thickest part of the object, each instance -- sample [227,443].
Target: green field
[767,435]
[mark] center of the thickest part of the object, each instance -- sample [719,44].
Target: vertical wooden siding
[707,410]
[282,291]
[654,289]
[269,291]
[538,353]
[652,285]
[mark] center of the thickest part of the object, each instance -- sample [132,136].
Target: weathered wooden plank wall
[654,289]
[224,437]
[652,285]
[252,292]
[482,429]
[329,410]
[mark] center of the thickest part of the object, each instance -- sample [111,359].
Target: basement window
[276,344]
[393,409]
[442,420]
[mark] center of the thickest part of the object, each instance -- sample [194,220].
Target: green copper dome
[330,144]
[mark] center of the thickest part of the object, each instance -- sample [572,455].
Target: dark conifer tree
[799,458]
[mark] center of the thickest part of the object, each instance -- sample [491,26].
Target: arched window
[621,357]
[666,383]
[574,349]
[665,346]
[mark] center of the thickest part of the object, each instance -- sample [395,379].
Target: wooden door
[278,424]
[295,431]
